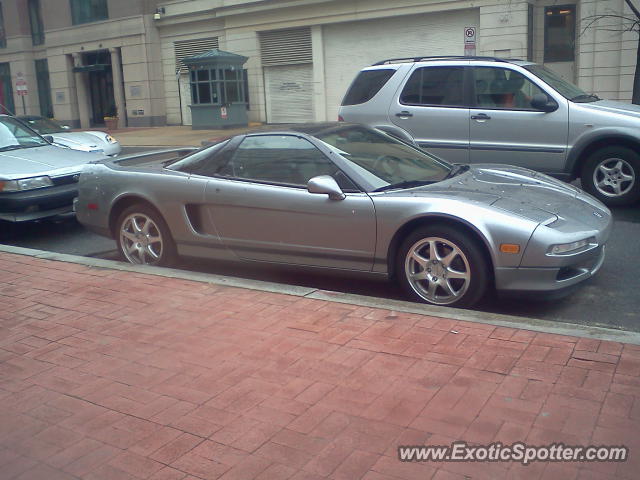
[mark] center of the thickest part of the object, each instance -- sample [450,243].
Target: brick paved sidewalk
[113,375]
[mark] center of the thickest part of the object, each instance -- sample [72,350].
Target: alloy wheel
[141,239]
[614,177]
[437,270]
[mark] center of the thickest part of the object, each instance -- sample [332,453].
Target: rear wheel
[144,238]
[612,174]
[443,266]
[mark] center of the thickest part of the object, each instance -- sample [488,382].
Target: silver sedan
[345,196]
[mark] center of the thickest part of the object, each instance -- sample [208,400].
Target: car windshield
[14,135]
[566,89]
[383,160]
[44,126]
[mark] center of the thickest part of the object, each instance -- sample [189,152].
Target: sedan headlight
[25,184]
[565,248]
[110,139]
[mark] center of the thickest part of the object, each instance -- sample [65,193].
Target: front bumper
[36,204]
[551,279]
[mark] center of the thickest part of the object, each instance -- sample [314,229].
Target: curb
[498,320]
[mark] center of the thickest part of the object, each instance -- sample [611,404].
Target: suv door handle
[480,116]
[404,114]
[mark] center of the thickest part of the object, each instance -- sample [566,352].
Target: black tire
[612,158]
[477,267]
[166,252]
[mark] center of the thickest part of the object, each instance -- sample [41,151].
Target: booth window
[217,86]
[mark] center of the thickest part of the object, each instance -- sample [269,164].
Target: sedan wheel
[143,237]
[443,266]
[611,175]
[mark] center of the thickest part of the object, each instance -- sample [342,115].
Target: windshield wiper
[457,169]
[6,148]
[585,96]
[404,184]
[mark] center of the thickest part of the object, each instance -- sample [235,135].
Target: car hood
[77,138]
[613,107]
[526,193]
[45,160]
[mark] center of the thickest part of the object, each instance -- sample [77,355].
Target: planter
[111,123]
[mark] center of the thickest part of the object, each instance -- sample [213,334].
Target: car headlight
[25,184]
[564,248]
[110,139]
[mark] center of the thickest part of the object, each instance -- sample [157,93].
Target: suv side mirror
[48,138]
[541,102]
[325,184]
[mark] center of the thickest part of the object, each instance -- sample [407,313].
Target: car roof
[311,128]
[452,58]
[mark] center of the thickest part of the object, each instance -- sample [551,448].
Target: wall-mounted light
[159,12]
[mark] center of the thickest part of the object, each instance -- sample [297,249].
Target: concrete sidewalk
[111,374]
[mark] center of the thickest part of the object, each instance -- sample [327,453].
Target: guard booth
[218,90]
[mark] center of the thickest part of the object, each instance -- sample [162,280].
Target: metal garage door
[350,46]
[286,58]
[289,93]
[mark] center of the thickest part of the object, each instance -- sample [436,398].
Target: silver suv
[492,110]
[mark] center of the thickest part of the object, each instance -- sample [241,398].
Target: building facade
[82,60]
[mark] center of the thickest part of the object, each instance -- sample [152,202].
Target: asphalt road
[610,299]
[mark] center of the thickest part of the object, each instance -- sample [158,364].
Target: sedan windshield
[383,160]
[564,88]
[44,126]
[14,135]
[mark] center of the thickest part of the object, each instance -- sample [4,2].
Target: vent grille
[187,48]
[286,47]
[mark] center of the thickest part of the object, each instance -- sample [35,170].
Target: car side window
[204,162]
[435,86]
[282,159]
[501,88]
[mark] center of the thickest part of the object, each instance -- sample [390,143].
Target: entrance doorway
[103,103]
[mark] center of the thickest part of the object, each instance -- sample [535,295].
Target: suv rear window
[366,85]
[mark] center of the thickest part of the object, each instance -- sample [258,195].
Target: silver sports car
[349,197]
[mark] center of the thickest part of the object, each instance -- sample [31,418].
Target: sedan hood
[526,193]
[74,139]
[45,160]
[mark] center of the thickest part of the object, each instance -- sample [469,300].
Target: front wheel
[144,238]
[443,266]
[612,175]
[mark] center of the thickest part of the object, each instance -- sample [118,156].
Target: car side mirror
[543,103]
[48,138]
[326,184]
[66,127]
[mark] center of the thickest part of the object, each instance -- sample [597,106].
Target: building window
[217,86]
[559,33]
[86,11]
[6,91]
[44,88]
[35,19]
[3,36]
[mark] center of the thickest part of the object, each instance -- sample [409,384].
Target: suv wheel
[442,266]
[612,174]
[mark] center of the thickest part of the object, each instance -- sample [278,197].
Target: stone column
[118,86]
[82,90]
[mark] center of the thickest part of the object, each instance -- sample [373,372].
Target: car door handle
[404,114]
[480,116]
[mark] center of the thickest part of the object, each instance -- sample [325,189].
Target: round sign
[470,32]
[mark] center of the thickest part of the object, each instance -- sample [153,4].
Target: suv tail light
[340,119]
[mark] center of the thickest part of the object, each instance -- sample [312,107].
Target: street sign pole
[24,105]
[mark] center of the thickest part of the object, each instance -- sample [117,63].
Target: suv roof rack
[440,57]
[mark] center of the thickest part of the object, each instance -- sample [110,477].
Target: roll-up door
[288,73]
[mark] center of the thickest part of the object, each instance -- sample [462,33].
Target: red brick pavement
[108,375]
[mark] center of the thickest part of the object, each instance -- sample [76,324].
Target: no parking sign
[469,41]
